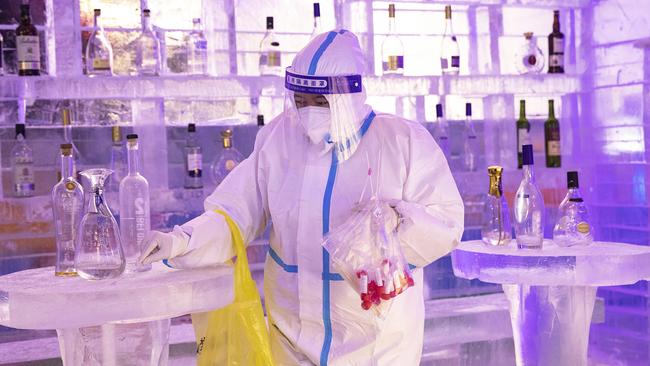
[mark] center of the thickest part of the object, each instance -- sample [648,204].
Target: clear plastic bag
[365,250]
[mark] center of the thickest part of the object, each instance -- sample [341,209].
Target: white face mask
[316,122]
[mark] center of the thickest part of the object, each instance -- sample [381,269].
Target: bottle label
[444,63]
[394,63]
[455,61]
[556,60]
[24,177]
[28,52]
[583,228]
[558,46]
[101,64]
[140,221]
[271,58]
[523,138]
[201,45]
[230,165]
[553,147]
[194,164]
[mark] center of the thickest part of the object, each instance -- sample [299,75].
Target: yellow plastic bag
[235,335]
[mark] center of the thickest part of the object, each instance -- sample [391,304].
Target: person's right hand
[159,246]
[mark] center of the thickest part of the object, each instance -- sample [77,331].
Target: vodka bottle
[441,132]
[227,161]
[270,56]
[318,28]
[450,52]
[552,139]
[134,209]
[556,47]
[118,166]
[572,227]
[529,207]
[67,208]
[529,59]
[392,50]
[27,45]
[22,163]
[147,53]
[496,228]
[99,53]
[470,142]
[523,133]
[193,160]
[197,50]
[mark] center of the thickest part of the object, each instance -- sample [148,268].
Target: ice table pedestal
[121,321]
[552,291]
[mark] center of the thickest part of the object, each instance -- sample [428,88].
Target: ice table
[122,321]
[552,291]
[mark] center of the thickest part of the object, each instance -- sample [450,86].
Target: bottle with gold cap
[67,138]
[449,50]
[227,160]
[496,228]
[392,49]
[67,209]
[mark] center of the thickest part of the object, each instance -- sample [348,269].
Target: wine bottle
[523,132]
[22,163]
[193,160]
[556,47]
[392,49]
[27,45]
[552,139]
[572,227]
[529,207]
[450,52]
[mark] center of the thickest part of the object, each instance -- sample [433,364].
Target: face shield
[330,106]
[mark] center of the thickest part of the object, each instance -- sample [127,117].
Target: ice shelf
[208,87]
[555,4]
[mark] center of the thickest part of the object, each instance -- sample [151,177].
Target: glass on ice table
[552,291]
[121,321]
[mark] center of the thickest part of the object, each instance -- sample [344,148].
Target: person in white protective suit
[306,174]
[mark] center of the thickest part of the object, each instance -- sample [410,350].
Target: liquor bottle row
[572,226]
[98,60]
[470,144]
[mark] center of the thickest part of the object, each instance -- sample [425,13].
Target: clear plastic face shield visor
[330,108]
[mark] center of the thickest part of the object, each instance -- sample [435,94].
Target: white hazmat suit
[307,178]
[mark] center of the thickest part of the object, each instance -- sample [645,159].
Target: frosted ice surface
[36,299]
[600,264]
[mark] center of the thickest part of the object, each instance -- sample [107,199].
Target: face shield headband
[325,85]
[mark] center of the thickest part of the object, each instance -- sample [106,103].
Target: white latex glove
[161,246]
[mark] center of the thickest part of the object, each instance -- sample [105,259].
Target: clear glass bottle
[227,160]
[67,208]
[197,50]
[193,160]
[450,52]
[28,52]
[135,219]
[98,249]
[67,137]
[99,53]
[318,28]
[147,52]
[270,55]
[441,132]
[392,49]
[496,228]
[573,225]
[22,164]
[529,58]
[470,142]
[118,166]
[529,207]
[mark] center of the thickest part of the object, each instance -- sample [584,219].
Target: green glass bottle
[552,139]
[523,132]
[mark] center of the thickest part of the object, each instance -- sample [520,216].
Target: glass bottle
[98,249]
[147,53]
[552,139]
[523,133]
[441,132]
[193,160]
[2,69]
[22,163]
[529,207]
[529,59]
[118,166]
[197,50]
[27,45]
[67,137]
[572,227]
[496,228]
[318,28]
[227,160]
[135,219]
[392,49]
[270,56]
[470,142]
[556,47]
[99,53]
[450,52]
[67,208]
